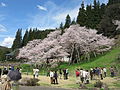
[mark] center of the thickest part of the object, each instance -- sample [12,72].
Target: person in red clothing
[77,76]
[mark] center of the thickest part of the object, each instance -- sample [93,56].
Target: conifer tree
[97,14]
[73,22]
[25,38]
[17,43]
[67,21]
[81,18]
[110,2]
[62,28]
[30,35]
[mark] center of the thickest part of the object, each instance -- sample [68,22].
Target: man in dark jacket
[55,78]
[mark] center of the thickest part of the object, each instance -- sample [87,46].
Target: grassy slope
[102,61]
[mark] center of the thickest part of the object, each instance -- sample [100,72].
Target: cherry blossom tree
[77,42]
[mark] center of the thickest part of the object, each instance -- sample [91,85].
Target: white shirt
[81,72]
[104,69]
[51,74]
[84,73]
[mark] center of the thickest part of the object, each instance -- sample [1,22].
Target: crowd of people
[94,73]
[9,76]
[82,75]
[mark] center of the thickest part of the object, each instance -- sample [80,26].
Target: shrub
[29,82]
[98,84]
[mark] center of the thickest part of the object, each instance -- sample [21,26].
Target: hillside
[3,51]
[107,60]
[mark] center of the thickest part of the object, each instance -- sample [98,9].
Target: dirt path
[41,88]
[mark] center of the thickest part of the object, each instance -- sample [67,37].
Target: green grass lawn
[107,60]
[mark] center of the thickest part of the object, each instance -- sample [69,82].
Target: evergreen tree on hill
[89,18]
[96,14]
[110,2]
[62,28]
[18,40]
[31,35]
[67,21]
[73,22]
[81,18]
[25,38]
[106,26]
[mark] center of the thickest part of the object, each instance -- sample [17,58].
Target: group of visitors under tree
[94,73]
[83,76]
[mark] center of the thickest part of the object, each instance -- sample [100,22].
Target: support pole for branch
[71,55]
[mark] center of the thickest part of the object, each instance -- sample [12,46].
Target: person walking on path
[105,72]
[51,76]
[55,78]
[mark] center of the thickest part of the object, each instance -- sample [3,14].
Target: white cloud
[41,8]
[60,17]
[7,42]
[55,15]
[2,28]
[3,4]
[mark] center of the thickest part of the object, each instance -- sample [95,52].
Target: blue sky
[42,14]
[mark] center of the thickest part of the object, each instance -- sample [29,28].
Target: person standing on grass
[51,76]
[84,76]
[67,72]
[105,72]
[112,72]
[55,78]
[37,73]
[87,77]
[34,70]
[101,73]
[81,75]
[77,76]
[0,72]
[91,74]
[60,72]
[64,73]
[94,73]
[5,71]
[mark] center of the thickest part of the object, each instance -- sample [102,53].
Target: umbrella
[14,75]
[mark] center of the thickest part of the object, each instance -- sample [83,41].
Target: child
[7,85]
